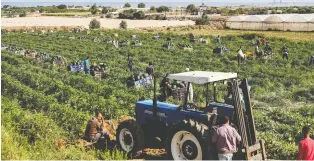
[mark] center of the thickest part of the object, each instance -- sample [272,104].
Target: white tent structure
[235,22]
[283,22]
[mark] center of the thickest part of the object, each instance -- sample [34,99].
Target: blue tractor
[186,129]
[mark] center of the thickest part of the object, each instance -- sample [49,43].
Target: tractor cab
[208,79]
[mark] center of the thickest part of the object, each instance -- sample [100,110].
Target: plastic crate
[179,94]
[99,75]
[33,55]
[76,68]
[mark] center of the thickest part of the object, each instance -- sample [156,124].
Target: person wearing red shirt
[306,146]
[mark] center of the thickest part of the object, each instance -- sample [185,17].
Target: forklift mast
[250,147]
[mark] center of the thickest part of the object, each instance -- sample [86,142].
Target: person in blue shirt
[87,66]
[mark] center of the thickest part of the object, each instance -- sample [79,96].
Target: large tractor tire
[130,137]
[188,141]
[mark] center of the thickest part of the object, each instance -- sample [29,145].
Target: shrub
[104,10]
[22,14]
[123,25]
[141,5]
[152,9]
[139,15]
[127,5]
[109,15]
[203,21]
[62,6]
[94,9]
[162,9]
[94,24]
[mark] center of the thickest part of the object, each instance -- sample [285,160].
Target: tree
[23,14]
[191,8]
[153,9]
[94,9]
[127,13]
[109,15]
[6,6]
[62,6]
[162,9]
[127,5]
[203,21]
[41,10]
[139,15]
[94,24]
[141,5]
[123,25]
[105,10]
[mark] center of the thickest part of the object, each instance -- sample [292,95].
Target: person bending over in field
[95,128]
[306,146]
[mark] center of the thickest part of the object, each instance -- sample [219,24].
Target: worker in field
[226,139]
[241,56]
[285,53]
[218,39]
[165,87]
[268,48]
[86,65]
[312,60]
[306,146]
[130,65]
[96,128]
[150,68]
[258,42]
[264,42]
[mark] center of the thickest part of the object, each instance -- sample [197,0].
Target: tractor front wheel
[130,137]
[188,141]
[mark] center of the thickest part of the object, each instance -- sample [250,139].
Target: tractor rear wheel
[130,137]
[188,141]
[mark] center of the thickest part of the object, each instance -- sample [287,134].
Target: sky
[192,1]
[172,3]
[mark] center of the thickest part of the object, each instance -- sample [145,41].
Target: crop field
[45,109]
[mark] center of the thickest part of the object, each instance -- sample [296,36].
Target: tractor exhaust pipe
[155,109]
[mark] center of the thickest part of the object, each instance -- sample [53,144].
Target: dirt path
[105,23]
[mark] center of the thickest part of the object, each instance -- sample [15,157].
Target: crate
[59,63]
[76,68]
[140,83]
[179,93]
[99,75]
[33,55]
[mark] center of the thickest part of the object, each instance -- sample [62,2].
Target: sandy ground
[105,23]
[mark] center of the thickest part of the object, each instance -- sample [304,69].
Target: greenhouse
[282,22]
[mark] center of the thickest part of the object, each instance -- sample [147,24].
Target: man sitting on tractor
[165,87]
[95,128]
[226,139]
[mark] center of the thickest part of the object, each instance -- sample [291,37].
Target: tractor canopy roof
[202,77]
